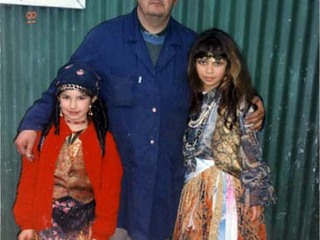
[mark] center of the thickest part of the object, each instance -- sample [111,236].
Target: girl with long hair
[227,183]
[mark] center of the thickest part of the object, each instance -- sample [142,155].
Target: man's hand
[255,119]
[24,143]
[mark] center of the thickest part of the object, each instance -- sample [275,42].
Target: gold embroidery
[225,147]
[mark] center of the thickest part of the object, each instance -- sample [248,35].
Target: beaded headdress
[78,76]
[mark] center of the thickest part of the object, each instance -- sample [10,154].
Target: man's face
[156,8]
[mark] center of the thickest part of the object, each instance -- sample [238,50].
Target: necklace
[195,130]
[202,117]
[196,127]
[76,122]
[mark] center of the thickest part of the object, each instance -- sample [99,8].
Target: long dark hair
[99,118]
[235,88]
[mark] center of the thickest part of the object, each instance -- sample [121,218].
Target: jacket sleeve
[39,114]
[88,50]
[108,198]
[23,206]
[255,175]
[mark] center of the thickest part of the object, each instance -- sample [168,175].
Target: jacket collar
[132,31]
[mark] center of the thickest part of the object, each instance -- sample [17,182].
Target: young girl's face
[210,71]
[74,104]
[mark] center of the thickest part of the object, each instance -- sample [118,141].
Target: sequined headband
[217,56]
[71,86]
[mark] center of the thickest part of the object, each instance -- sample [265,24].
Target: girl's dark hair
[235,88]
[99,119]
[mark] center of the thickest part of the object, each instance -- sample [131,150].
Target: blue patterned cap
[78,76]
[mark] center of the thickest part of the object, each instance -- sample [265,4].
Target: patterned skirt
[210,209]
[71,220]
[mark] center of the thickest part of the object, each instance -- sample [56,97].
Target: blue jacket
[148,108]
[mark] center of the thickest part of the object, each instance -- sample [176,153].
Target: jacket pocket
[123,90]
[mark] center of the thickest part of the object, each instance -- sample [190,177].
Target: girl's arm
[23,206]
[255,175]
[108,199]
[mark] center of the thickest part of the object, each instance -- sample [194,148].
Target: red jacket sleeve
[23,206]
[108,198]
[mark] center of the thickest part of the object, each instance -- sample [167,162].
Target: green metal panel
[280,40]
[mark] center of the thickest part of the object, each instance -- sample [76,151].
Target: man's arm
[40,113]
[37,116]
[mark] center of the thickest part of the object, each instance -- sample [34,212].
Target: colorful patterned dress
[73,198]
[225,170]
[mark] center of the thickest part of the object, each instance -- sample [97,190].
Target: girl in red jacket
[71,188]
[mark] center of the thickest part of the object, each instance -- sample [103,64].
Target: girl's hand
[26,234]
[257,212]
[90,235]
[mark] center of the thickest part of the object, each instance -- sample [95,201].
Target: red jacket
[33,206]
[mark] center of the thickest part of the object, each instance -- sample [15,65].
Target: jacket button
[152,142]
[154,109]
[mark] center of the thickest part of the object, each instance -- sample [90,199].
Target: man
[142,57]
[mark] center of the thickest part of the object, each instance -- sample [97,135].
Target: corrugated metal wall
[280,41]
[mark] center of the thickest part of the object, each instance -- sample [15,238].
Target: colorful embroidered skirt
[71,220]
[210,209]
